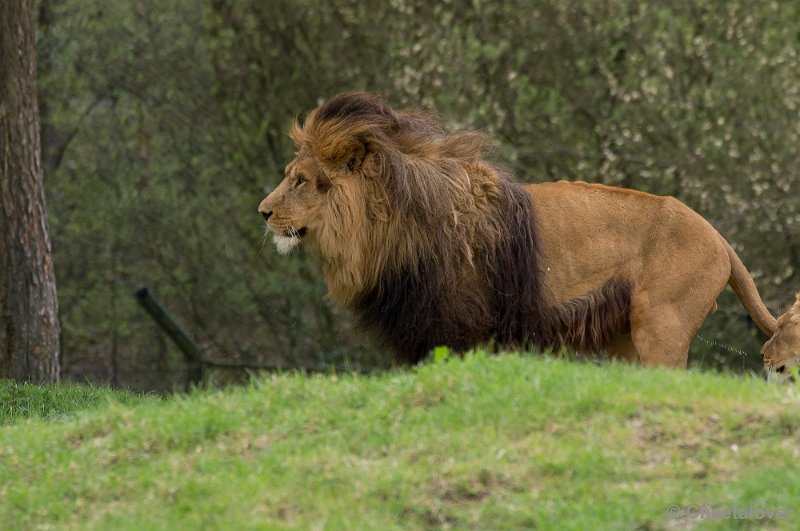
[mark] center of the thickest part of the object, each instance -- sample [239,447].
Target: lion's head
[426,242]
[782,351]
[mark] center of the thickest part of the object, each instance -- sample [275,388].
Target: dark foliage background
[164,126]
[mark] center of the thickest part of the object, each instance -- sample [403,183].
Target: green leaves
[441,354]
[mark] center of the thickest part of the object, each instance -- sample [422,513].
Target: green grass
[22,401]
[484,442]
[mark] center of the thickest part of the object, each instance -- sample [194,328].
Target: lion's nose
[266,215]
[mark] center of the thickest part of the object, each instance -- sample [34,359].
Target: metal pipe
[192,352]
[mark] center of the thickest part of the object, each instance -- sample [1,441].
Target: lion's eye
[299,181]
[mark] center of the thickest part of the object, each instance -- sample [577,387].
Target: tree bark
[29,326]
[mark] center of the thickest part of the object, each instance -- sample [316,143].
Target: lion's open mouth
[781,374]
[291,232]
[784,372]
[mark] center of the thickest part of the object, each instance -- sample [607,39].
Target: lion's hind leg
[661,338]
[667,310]
[662,335]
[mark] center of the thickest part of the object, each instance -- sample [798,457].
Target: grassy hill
[484,442]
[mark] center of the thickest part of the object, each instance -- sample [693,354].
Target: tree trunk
[29,326]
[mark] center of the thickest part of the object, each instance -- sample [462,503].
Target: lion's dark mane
[412,313]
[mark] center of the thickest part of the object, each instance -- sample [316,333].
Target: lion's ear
[342,152]
[355,155]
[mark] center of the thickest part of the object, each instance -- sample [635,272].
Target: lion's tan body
[677,261]
[782,351]
[430,244]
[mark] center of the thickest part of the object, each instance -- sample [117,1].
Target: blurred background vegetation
[165,125]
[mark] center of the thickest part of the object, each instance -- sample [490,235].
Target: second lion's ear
[355,155]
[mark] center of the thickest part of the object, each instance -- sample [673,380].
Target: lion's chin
[287,241]
[774,377]
[784,372]
[285,244]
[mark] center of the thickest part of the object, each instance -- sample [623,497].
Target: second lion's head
[782,351]
[371,189]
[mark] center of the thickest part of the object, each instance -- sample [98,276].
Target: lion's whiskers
[264,239]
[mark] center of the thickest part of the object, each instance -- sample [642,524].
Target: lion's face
[782,351]
[294,209]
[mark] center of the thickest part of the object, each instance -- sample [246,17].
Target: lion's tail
[744,287]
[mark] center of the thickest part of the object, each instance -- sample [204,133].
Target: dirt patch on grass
[704,444]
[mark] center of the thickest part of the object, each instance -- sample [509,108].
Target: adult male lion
[429,244]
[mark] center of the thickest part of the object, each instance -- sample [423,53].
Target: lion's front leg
[622,348]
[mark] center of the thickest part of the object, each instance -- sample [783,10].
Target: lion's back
[589,230]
